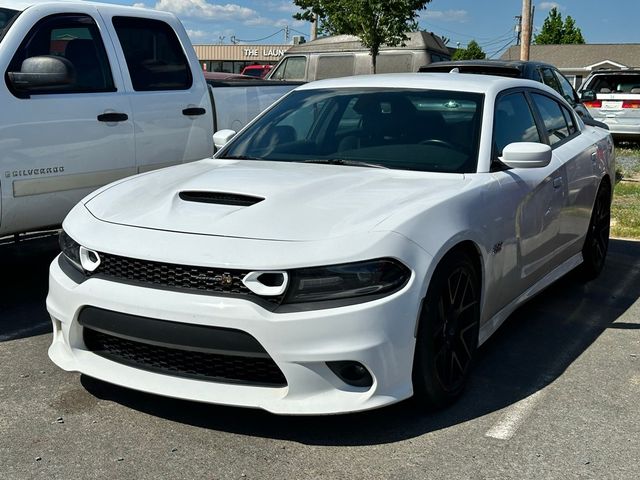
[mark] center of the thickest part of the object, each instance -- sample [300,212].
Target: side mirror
[222,137]
[46,72]
[526,155]
[587,95]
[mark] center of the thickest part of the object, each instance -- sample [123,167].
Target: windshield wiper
[342,161]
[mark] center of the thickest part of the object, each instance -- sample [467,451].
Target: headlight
[82,258]
[70,249]
[370,278]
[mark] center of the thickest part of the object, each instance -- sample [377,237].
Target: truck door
[168,93]
[60,144]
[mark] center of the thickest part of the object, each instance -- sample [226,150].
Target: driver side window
[75,38]
[513,122]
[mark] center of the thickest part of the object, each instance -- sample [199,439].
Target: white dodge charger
[348,249]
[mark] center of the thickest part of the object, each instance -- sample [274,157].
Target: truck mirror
[587,95]
[221,137]
[42,72]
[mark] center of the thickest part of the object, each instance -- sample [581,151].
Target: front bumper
[379,334]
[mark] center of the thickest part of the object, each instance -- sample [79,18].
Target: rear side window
[555,121]
[74,37]
[513,122]
[549,79]
[333,66]
[391,62]
[154,56]
[566,89]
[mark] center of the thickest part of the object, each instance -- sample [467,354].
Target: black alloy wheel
[448,332]
[596,243]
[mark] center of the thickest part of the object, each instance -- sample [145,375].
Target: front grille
[183,363]
[197,279]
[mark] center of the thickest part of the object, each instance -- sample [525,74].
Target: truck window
[6,18]
[76,38]
[394,62]
[291,68]
[154,56]
[332,66]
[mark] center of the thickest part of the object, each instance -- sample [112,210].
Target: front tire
[447,336]
[596,243]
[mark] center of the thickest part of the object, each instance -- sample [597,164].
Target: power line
[501,48]
[259,39]
[476,37]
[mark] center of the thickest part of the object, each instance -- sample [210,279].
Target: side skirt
[490,326]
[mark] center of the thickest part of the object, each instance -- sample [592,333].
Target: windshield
[6,17]
[423,130]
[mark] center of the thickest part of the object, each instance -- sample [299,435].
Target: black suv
[537,71]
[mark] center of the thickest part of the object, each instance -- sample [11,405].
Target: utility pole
[526,30]
[518,28]
[314,27]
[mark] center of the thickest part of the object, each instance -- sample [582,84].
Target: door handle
[112,117]
[192,111]
[557,182]
[594,156]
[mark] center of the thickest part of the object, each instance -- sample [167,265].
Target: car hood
[293,201]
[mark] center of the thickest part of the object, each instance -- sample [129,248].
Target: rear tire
[596,243]
[447,336]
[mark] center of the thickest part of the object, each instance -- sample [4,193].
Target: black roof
[505,68]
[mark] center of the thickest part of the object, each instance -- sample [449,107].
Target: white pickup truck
[91,93]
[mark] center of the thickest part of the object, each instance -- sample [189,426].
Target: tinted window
[390,63]
[396,128]
[615,83]
[566,89]
[548,78]
[76,38]
[569,119]
[554,119]
[154,56]
[332,66]
[6,17]
[513,122]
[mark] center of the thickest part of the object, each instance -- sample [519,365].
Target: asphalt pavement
[554,395]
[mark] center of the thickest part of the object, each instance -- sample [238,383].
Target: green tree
[472,52]
[375,22]
[555,31]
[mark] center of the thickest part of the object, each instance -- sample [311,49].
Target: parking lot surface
[554,395]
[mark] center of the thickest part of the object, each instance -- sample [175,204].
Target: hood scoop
[219,198]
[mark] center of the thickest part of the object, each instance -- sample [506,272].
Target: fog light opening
[352,373]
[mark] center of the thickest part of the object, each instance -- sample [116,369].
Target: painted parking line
[514,416]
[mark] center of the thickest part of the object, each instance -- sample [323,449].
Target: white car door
[60,144]
[576,154]
[532,200]
[173,121]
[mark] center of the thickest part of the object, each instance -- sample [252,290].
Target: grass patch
[627,160]
[625,210]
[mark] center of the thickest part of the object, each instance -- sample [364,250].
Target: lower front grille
[184,363]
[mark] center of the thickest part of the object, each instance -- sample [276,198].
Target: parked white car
[91,93]
[349,248]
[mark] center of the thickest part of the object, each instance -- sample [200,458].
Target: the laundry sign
[266,52]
